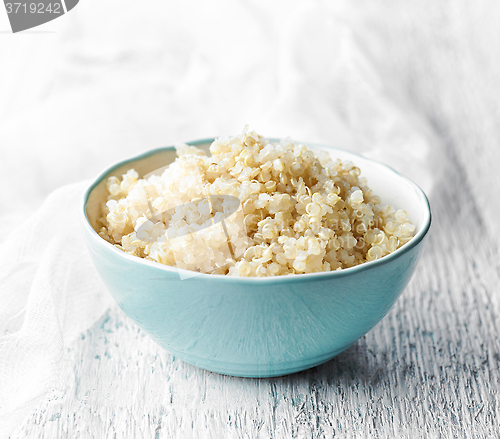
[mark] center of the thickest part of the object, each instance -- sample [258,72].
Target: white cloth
[118,81]
[50,293]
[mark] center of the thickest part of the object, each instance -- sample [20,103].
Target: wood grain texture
[430,369]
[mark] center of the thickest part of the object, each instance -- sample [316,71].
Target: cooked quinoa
[298,212]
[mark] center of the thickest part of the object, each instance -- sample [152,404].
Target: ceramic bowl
[258,327]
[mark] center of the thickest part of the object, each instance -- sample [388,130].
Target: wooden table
[429,369]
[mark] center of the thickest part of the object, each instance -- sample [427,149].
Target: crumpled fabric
[116,85]
[50,293]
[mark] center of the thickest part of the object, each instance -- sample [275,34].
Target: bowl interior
[393,189]
[143,164]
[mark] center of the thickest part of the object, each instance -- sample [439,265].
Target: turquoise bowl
[258,327]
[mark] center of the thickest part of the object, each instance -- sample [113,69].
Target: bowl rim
[426,223]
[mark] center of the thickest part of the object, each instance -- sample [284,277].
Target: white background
[412,84]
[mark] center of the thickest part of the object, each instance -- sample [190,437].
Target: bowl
[258,327]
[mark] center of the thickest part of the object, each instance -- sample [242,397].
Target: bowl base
[258,370]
